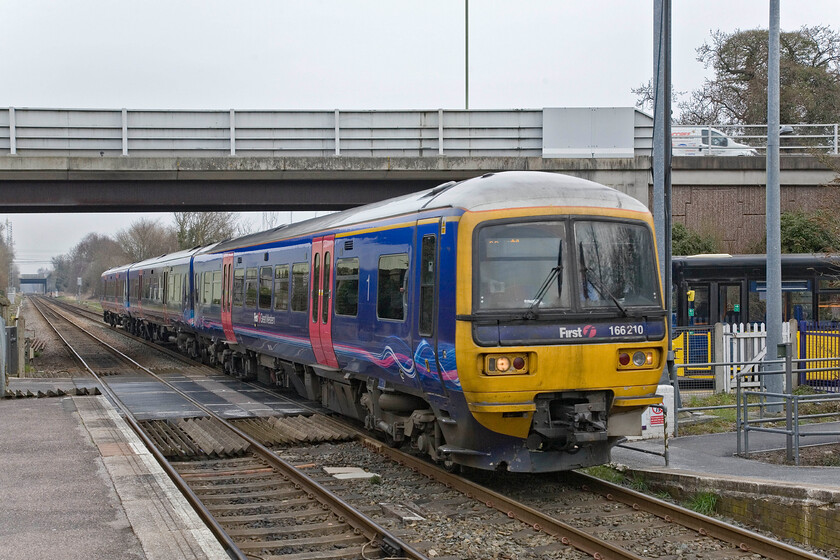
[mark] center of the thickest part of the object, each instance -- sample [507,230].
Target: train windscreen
[616,264]
[521,265]
[530,266]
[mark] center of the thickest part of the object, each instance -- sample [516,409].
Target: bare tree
[270,220]
[737,93]
[146,238]
[87,260]
[7,258]
[202,228]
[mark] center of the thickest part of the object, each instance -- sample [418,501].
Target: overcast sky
[344,54]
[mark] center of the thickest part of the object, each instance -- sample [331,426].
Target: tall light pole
[774,383]
[662,159]
[467,55]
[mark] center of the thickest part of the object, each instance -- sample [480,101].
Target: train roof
[508,189]
[168,258]
[117,269]
[760,260]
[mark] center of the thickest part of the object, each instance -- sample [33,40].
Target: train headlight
[505,364]
[638,359]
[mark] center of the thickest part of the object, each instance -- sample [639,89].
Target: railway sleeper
[273,495]
[330,526]
[284,546]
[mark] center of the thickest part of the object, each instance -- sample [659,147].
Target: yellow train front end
[560,332]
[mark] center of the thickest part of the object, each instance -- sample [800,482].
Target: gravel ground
[827,455]
[54,360]
[453,525]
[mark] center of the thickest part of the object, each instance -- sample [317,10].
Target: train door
[426,302]
[164,297]
[729,303]
[140,287]
[227,297]
[320,320]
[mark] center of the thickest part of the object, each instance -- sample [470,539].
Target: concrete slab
[66,384]
[62,497]
[713,455]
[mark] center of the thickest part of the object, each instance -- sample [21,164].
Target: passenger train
[513,321]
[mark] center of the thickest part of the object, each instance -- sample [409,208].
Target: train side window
[281,287]
[390,298]
[347,287]
[238,286]
[300,286]
[266,279]
[217,287]
[175,292]
[251,287]
[427,286]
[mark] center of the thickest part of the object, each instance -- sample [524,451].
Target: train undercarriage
[569,429]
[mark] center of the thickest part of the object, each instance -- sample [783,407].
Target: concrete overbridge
[82,160]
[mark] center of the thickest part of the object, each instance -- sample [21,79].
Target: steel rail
[224,539]
[743,539]
[568,535]
[706,526]
[365,525]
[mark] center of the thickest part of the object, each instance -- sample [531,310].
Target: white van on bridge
[706,141]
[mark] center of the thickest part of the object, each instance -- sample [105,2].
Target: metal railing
[266,133]
[771,405]
[252,133]
[795,138]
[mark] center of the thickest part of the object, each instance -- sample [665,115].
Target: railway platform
[77,483]
[800,503]
[714,456]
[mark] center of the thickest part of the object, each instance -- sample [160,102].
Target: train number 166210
[625,330]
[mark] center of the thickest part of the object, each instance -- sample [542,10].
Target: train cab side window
[266,279]
[251,287]
[238,286]
[347,287]
[300,286]
[391,292]
[281,287]
[217,287]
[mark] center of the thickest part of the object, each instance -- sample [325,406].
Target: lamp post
[467,55]
[773,383]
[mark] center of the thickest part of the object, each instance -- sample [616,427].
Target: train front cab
[556,366]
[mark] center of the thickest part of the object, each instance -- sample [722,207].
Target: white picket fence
[746,343]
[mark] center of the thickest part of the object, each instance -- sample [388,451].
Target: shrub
[687,242]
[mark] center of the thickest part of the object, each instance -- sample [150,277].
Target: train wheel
[391,442]
[449,465]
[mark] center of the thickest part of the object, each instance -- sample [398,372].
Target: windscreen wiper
[554,273]
[589,276]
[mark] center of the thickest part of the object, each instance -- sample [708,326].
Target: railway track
[595,518]
[289,515]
